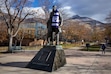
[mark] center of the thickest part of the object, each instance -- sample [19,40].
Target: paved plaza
[78,62]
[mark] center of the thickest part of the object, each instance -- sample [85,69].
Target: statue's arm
[61,19]
[49,21]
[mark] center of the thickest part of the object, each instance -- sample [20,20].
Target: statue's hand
[59,29]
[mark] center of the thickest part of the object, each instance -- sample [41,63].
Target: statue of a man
[53,25]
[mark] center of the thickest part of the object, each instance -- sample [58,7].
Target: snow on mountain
[87,20]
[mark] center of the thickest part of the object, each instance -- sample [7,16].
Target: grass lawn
[92,48]
[32,47]
[3,48]
[66,46]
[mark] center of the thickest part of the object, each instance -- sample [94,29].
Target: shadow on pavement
[84,69]
[15,64]
[81,54]
[4,52]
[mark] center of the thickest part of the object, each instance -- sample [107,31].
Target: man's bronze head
[54,8]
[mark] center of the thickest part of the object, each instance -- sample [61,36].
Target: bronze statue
[53,25]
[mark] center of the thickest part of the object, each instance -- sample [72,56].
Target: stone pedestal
[49,58]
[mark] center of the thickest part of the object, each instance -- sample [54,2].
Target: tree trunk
[21,40]
[10,44]
[20,43]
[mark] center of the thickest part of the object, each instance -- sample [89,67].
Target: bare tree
[13,15]
[46,5]
[3,32]
[73,31]
[108,18]
[107,32]
[20,37]
[62,10]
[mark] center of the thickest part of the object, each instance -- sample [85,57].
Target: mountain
[87,20]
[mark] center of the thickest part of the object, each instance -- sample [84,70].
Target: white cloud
[38,12]
[67,7]
[91,8]
[31,0]
[99,16]
[54,1]
[67,10]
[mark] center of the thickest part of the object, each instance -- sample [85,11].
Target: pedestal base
[49,58]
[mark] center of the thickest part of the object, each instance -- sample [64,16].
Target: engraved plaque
[44,56]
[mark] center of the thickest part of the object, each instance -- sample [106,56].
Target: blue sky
[35,3]
[96,9]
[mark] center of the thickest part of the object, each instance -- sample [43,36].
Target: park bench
[16,48]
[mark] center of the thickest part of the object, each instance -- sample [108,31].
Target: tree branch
[22,9]
[16,11]
[8,10]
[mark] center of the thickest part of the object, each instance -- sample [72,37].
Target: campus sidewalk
[78,62]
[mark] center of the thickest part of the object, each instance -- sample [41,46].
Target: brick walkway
[78,62]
